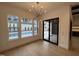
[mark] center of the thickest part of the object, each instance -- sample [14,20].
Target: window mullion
[19,28]
[33,26]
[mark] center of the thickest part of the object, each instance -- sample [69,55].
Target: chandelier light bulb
[45,11]
[29,9]
[42,7]
[32,6]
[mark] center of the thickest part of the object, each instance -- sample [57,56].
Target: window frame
[9,22]
[27,27]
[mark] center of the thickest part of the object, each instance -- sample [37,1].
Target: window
[13,27]
[35,27]
[26,27]
[30,33]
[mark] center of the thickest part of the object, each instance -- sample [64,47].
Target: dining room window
[35,26]
[13,22]
[26,27]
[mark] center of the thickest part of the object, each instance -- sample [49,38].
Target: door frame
[49,20]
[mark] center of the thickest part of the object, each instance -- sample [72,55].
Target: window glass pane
[30,33]
[26,27]
[35,26]
[13,27]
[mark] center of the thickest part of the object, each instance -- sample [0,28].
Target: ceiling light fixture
[38,10]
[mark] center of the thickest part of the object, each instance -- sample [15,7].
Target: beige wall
[64,22]
[6,10]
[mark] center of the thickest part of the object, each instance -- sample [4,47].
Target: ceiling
[52,4]
[47,5]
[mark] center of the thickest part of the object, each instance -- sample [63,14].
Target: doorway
[51,30]
[74,29]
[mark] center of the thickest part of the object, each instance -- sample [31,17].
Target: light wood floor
[40,48]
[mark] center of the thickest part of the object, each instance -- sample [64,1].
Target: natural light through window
[35,27]
[13,27]
[26,27]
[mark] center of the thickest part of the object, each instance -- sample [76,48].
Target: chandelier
[38,10]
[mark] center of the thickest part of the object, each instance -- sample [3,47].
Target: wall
[63,13]
[5,44]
